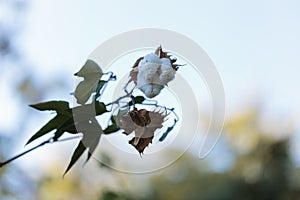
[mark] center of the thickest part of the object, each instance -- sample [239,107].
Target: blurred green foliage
[263,172]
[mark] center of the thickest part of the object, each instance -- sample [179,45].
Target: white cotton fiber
[165,61]
[151,90]
[152,58]
[153,74]
[167,75]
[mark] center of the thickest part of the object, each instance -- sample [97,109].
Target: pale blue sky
[254,44]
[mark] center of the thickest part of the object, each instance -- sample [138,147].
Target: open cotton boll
[165,61]
[151,90]
[148,71]
[153,71]
[152,58]
[167,74]
[147,74]
[148,79]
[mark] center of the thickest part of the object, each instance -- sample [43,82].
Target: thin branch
[33,148]
[112,77]
[128,94]
[68,139]
[117,100]
[99,93]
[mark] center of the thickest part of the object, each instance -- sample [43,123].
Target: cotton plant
[139,116]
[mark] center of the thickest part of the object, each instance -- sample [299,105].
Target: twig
[33,148]
[99,93]
[117,100]
[128,94]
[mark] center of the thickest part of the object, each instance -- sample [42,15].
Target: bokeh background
[255,46]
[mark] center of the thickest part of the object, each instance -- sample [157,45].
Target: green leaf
[100,85]
[82,114]
[139,99]
[91,73]
[100,108]
[76,155]
[67,126]
[91,135]
[51,125]
[86,112]
[84,90]
[58,106]
[63,114]
[90,70]
[113,127]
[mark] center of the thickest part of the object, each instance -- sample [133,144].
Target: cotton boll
[152,58]
[166,67]
[142,71]
[142,78]
[156,88]
[165,78]
[141,81]
[143,62]
[165,61]
[151,90]
[167,74]
[149,58]
[148,73]
[153,74]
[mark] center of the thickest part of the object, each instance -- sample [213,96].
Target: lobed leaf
[90,70]
[64,120]
[63,115]
[51,125]
[67,126]
[85,112]
[76,155]
[91,135]
[58,106]
[84,90]
[91,73]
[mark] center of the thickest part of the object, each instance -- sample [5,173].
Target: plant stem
[117,100]
[33,148]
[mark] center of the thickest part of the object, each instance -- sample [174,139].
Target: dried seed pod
[143,123]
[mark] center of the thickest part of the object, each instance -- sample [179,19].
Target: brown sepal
[134,71]
[142,143]
[161,54]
